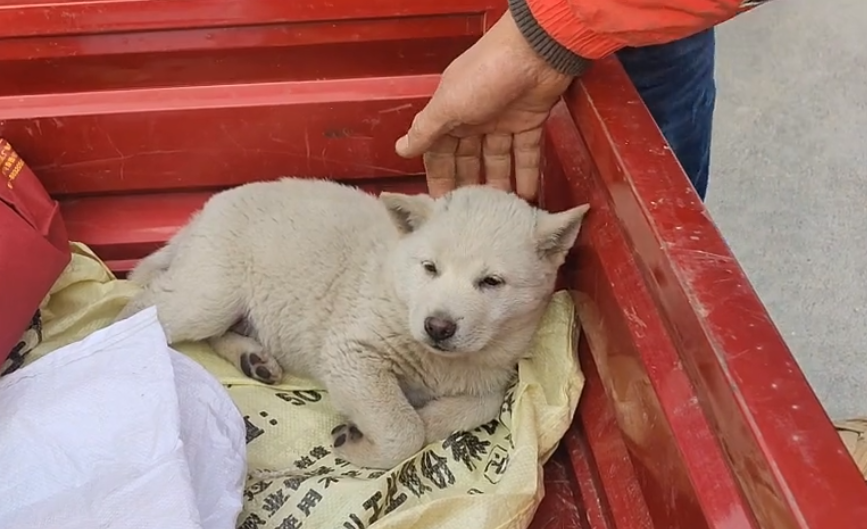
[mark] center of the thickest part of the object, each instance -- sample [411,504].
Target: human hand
[491,102]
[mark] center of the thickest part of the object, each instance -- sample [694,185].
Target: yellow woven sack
[853,432]
[488,478]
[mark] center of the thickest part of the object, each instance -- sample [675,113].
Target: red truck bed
[694,413]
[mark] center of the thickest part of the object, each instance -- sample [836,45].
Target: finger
[427,127]
[527,148]
[468,163]
[498,160]
[439,166]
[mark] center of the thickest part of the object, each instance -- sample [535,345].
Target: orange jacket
[595,28]
[592,29]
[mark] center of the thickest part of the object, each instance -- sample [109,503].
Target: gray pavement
[789,180]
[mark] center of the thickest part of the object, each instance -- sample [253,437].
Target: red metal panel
[178,137]
[82,73]
[648,409]
[317,33]
[611,474]
[787,457]
[108,45]
[36,17]
[560,508]
[123,228]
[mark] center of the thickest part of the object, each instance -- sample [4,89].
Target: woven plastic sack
[489,478]
[853,432]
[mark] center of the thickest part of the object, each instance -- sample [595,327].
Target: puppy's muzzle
[440,328]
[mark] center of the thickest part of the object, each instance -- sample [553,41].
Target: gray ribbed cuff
[558,56]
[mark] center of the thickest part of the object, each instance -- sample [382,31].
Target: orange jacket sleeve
[592,29]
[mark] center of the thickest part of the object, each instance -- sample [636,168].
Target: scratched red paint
[694,414]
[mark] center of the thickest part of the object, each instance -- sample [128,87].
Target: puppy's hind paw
[261,367]
[345,432]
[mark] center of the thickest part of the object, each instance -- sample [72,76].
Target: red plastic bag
[34,248]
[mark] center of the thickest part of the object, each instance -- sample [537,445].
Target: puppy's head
[475,265]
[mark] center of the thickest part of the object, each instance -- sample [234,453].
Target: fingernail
[401,146]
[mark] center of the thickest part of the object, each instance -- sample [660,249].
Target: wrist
[558,57]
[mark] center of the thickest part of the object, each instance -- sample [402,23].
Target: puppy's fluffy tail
[158,262]
[153,265]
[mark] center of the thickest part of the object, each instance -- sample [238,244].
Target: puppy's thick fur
[412,312]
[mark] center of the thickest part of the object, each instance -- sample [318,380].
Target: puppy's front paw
[437,425]
[351,445]
[261,367]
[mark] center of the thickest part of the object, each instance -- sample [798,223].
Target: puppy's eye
[430,268]
[491,281]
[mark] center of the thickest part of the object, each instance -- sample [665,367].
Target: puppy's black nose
[440,329]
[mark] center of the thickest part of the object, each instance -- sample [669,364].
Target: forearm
[571,33]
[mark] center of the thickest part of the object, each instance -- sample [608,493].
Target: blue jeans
[676,82]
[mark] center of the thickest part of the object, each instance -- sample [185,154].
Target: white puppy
[412,312]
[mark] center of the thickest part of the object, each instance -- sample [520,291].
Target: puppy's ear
[408,212]
[556,232]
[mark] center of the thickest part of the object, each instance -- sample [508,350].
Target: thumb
[427,127]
